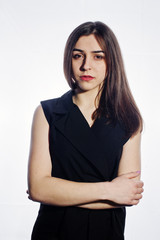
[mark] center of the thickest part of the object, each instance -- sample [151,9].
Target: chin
[86,89]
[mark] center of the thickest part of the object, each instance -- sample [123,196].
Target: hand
[126,190]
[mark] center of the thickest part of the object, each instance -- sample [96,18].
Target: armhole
[126,140]
[124,137]
[45,111]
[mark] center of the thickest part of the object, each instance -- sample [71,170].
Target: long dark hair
[115,101]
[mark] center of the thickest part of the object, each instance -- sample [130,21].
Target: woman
[84,163]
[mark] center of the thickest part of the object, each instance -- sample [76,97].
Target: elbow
[35,193]
[38,191]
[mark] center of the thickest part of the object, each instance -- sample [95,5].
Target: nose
[86,64]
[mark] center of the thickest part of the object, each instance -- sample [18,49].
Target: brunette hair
[115,100]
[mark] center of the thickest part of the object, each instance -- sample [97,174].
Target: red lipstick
[86,77]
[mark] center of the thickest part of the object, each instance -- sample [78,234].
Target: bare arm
[50,190]
[131,156]
[130,162]
[41,185]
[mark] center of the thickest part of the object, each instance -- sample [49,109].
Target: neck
[86,99]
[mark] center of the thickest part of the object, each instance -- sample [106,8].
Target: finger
[140,190]
[138,196]
[135,202]
[139,184]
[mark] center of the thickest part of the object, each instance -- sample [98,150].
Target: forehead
[88,43]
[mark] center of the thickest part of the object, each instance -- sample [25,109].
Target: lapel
[72,124]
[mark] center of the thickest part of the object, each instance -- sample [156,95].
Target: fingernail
[138,172]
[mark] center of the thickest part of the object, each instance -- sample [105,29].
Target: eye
[77,56]
[99,57]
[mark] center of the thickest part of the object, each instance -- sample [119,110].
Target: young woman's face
[88,63]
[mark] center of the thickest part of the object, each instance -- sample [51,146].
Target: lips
[86,77]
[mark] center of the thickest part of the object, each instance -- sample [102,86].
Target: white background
[32,39]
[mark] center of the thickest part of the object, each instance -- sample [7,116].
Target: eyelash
[97,57]
[77,56]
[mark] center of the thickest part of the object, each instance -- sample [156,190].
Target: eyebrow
[80,50]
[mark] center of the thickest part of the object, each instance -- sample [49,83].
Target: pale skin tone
[124,190]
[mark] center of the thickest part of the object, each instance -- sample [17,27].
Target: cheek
[102,71]
[105,70]
[75,67]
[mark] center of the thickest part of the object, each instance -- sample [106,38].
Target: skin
[124,190]
[88,59]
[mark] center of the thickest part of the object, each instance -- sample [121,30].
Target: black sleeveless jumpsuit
[84,154]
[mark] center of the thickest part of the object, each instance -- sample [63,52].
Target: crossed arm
[124,190]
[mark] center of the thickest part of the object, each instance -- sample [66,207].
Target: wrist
[105,191]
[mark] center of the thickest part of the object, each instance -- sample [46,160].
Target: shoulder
[58,105]
[119,133]
[54,102]
[135,139]
[43,111]
[47,107]
[49,103]
[122,131]
[39,115]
